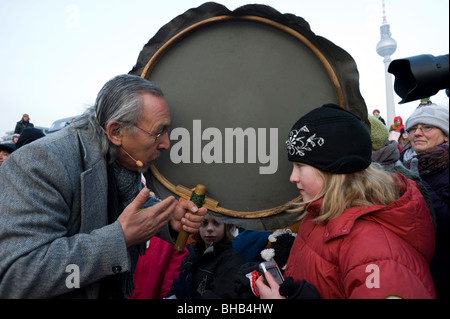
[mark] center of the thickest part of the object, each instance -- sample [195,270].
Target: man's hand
[138,224]
[188,216]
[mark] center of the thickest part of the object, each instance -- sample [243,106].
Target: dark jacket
[438,188]
[207,274]
[21,125]
[436,181]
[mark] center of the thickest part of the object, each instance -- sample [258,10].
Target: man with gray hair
[73,219]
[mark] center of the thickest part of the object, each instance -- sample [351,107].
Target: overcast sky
[56,55]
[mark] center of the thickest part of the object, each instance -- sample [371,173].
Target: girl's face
[308,180]
[211,231]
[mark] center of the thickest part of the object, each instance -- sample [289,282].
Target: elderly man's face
[141,145]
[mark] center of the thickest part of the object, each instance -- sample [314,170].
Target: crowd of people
[24,133]
[374,219]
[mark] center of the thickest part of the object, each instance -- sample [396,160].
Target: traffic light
[420,76]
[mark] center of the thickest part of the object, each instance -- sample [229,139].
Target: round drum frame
[185,192]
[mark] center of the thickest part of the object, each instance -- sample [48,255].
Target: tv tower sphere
[386,46]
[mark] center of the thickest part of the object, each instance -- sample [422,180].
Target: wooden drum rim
[185,192]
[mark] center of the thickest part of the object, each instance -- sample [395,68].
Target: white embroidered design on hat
[297,145]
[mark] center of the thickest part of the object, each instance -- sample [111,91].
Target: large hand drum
[236,82]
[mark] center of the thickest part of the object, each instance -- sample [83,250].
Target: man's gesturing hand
[138,224]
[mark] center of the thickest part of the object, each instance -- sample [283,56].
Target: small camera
[272,268]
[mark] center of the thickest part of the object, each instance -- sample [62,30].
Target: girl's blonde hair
[372,186]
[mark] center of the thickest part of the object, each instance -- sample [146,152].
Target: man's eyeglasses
[155,136]
[423,128]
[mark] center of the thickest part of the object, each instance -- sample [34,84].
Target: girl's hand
[268,292]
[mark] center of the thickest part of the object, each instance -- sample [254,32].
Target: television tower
[385,48]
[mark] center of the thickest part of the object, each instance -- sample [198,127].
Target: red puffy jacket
[368,252]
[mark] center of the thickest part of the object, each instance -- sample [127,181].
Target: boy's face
[3,156]
[211,231]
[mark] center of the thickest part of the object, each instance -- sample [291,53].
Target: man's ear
[114,132]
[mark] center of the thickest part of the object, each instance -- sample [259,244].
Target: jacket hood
[408,217]
[398,118]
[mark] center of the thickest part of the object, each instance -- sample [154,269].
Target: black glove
[301,290]
[242,283]
[282,247]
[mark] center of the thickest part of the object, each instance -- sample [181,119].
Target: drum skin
[235,83]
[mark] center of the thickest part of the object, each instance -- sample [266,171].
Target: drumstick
[198,198]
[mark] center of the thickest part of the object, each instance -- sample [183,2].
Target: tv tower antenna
[385,48]
[384,14]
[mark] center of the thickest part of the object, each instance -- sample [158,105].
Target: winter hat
[330,139]
[8,147]
[378,132]
[431,114]
[29,135]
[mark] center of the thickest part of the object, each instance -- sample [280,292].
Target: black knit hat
[29,135]
[8,147]
[330,139]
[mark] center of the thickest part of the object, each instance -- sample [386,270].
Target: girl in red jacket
[365,233]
